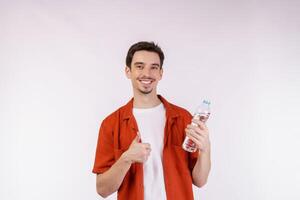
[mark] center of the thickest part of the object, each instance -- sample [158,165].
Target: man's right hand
[137,152]
[110,181]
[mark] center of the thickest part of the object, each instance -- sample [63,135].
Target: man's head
[144,67]
[144,46]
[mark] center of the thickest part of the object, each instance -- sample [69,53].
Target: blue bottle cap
[206,102]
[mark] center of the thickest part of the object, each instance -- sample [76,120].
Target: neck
[146,100]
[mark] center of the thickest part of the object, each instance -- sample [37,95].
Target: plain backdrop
[62,71]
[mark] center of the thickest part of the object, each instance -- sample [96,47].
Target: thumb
[137,138]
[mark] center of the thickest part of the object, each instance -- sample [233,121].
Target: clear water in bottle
[202,113]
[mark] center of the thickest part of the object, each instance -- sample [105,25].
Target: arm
[201,170]
[110,181]
[200,136]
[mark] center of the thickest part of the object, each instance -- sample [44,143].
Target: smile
[146,82]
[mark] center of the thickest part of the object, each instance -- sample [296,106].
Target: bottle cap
[206,102]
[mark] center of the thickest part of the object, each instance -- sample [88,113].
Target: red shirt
[115,136]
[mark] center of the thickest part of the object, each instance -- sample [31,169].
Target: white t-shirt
[151,124]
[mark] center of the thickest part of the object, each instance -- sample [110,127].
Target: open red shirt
[115,136]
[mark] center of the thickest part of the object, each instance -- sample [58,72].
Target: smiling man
[139,151]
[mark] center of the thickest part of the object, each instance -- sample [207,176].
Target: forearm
[201,169]
[110,181]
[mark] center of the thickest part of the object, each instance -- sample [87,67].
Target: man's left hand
[199,135]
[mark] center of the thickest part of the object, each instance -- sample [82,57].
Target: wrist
[204,152]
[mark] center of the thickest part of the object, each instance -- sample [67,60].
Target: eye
[154,67]
[139,66]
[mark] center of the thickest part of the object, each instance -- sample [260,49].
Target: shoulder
[182,112]
[112,117]
[174,109]
[115,116]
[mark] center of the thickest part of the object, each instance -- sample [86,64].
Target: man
[139,151]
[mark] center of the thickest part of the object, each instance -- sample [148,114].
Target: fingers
[143,153]
[200,136]
[139,152]
[195,134]
[147,146]
[198,130]
[201,124]
[198,141]
[137,138]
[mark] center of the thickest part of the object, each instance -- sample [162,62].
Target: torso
[151,124]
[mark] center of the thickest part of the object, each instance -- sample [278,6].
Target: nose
[146,72]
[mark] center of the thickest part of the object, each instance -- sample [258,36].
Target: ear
[128,72]
[161,71]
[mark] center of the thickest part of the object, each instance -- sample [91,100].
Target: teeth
[146,82]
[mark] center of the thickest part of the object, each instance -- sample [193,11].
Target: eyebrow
[141,63]
[155,64]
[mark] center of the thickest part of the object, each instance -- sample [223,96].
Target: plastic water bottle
[202,113]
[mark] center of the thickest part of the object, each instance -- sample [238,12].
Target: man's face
[145,71]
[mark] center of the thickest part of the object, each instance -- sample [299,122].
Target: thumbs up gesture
[137,151]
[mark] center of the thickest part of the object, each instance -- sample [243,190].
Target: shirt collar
[170,111]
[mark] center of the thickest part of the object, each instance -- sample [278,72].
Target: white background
[62,71]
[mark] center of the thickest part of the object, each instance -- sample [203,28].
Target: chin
[145,92]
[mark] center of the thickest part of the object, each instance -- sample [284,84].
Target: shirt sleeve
[104,158]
